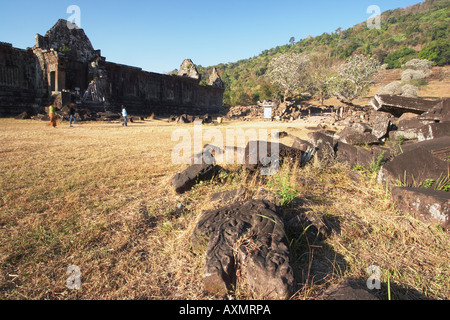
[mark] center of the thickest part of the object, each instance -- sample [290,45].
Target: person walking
[52,115]
[124,115]
[72,117]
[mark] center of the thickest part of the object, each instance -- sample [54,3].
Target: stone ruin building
[64,65]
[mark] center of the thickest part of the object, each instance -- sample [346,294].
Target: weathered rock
[205,157]
[42,117]
[346,153]
[378,151]
[248,236]
[402,135]
[433,131]
[412,168]
[412,123]
[439,147]
[324,145]
[302,145]
[348,291]
[407,116]
[358,139]
[269,155]
[195,173]
[425,204]
[381,125]
[362,127]
[398,105]
[311,221]
[440,112]
[23,116]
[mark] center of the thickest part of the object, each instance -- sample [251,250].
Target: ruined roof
[188,69]
[215,80]
[69,39]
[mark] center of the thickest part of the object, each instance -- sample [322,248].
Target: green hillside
[418,31]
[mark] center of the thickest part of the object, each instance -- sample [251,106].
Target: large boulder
[438,147]
[249,238]
[413,168]
[425,204]
[381,124]
[324,145]
[358,156]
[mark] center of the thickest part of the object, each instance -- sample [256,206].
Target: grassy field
[99,197]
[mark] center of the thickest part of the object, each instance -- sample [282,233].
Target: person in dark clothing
[72,117]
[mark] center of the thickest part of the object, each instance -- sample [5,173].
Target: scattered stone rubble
[288,111]
[410,138]
[246,235]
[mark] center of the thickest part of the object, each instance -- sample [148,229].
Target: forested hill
[418,31]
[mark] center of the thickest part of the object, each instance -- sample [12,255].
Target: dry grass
[99,197]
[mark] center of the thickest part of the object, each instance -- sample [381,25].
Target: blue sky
[158,35]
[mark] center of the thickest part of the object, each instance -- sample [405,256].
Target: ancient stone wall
[20,80]
[64,61]
[147,92]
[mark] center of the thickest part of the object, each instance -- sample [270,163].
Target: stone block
[348,291]
[269,155]
[427,205]
[249,238]
[324,145]
[433,131]
[184,181]
[412,168]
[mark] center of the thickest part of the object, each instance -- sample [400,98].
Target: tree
[289,72]
[321,68]
[353,78]
[292,41]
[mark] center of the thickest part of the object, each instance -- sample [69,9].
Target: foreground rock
[413,169]
[246,237]
[425,204]
[348,291]
[269,155]
[184,181]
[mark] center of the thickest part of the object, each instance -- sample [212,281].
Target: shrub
[437,51]
[411,74]
[418,64]
[409,90]
[398,57]
[392,88]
